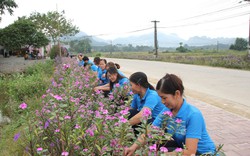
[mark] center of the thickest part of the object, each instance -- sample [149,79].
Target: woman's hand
[130,151]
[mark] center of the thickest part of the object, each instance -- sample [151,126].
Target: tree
[181,48]
[54,25]
[7,5]
[81,46]
[22,33]
[239,44]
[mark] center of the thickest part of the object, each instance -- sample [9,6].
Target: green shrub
[54,52]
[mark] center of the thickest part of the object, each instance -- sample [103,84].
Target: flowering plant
[74,120]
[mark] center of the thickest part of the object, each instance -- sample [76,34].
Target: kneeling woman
[145,96]
[196,138]
[115,79]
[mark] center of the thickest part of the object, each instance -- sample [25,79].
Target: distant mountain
[204,40]
[164,40]
[95,41]
[171,40]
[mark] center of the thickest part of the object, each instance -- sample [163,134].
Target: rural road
[225,88]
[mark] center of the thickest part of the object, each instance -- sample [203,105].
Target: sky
[110,19]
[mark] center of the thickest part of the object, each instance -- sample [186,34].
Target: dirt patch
[14,64]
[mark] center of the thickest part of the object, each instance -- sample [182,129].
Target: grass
[28,86]
[225,58]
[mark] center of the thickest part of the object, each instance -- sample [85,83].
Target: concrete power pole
[249,40]
[155,39]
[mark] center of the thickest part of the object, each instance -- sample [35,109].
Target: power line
[218,11]
[208,21]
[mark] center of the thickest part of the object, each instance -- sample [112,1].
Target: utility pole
[217,46]
[249,40]
[155,39]
[111,47]
[58,41]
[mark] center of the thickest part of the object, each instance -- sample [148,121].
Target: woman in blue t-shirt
[115,80]
[101,72]
[195,136]
[145,96]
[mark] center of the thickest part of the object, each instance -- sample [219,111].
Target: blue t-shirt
[192,126]
[121,73]
[100,73]
[81,63]
[93,67]
[151,100]
[121,82]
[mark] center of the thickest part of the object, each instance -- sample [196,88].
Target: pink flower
[163,149]
[122,119]
[146,112]
[178,121]
[124,112]
[170,114]
[91,133]
[111,97]
[58,97]
[77,126]
[117,85]
[65,153]
[39,149]
[178,150]
[152,148]
[57,130]
[43,96]
[23,106]
[67,117]
[85,150]
[105,111]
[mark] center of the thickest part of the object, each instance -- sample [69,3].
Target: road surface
[224,88]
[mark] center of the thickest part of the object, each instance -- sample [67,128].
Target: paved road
[224,88]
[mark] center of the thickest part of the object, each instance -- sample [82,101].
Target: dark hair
[85,58]
[113,70]
[169,84]
[97,60]
[112,64]
[141,79]
[104,60]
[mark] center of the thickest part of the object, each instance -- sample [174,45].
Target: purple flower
[65,153]
[23,105]
[46,125]
[16,137]
[39,149]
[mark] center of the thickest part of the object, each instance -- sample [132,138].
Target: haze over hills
[164,40]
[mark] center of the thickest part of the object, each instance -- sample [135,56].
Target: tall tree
[239,44]
[22,33]
[54,24]
[7,5]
